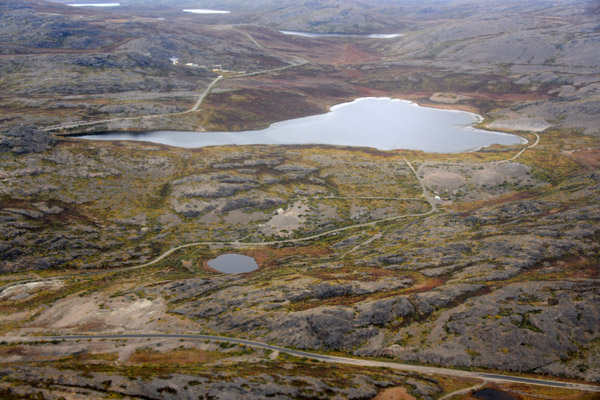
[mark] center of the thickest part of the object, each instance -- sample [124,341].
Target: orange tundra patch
[394,393]
[267,257]
[589,158]
[177,357]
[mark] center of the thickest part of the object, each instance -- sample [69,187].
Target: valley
[482,264]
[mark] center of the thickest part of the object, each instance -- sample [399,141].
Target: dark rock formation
[383,311]
[25,139]
[246,202]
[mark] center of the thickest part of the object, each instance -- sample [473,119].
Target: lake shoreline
[403,125]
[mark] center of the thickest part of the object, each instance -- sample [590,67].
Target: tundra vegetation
[486,261]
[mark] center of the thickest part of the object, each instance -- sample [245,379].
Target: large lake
[95,5]
[383,123]
[348,35]
[205,11]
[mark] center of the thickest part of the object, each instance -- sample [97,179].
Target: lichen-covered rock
[25,139]
[49,382]
[538,326]
[383,311]
[427,302]
[246,202]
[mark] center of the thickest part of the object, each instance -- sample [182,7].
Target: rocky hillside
[53,51]
[353,16]
[29,25]
[480,260]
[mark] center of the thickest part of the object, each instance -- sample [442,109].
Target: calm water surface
[204,11]
[233,264]
[368,35]
[493,394]
[382,123]
[95,5]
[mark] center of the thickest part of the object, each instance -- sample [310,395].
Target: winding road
[194,108]
[297,61]
[203,95]
[71,125]
[239,244]
[537,140]
[485,377]
[491,377]
[313,356]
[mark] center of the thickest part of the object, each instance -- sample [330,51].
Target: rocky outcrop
[536,327]
[247,202]
[296,171]
[324,291]
[25,139]
[428,302]
[52,29]
[382,312]
[191,208]
[50,382]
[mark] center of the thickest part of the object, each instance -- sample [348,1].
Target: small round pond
[233,264]
[493,394]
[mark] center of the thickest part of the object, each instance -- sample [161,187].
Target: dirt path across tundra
[490,377]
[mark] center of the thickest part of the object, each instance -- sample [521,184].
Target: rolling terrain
[486,261]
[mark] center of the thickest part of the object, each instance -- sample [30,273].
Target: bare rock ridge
[25,139]
[488,259]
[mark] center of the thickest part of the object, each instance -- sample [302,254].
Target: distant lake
[202,11]
[383,123]
[95,5]
[367,35]
[233,264]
